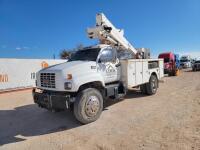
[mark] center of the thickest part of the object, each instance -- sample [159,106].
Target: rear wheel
[152,86]
[88,105]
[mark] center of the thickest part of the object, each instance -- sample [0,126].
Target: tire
[152,86]
[143,88]
[88,105]
[174,73]
[169,74]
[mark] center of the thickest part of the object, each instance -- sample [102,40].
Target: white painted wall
[20,73]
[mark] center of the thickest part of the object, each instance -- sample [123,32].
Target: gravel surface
[169,120]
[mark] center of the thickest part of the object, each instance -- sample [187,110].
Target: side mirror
[118,64]
[104,59]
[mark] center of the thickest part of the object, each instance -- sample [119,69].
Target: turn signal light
[69,76]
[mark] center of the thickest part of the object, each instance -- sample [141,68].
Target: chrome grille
[47,80]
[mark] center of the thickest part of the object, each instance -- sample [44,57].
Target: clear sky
[41,28]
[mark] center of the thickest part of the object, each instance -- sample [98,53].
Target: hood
[184,62]
[72,67]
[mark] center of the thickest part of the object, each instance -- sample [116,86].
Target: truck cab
[171,63]
[91,64]
[196,65]
[185,61]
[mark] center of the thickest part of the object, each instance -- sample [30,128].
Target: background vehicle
[95,74]
[186,61]
[171,63]
[196,65]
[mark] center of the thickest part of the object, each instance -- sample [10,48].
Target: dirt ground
[169,120]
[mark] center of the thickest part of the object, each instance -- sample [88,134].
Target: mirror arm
[117,65]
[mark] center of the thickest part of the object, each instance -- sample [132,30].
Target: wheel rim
[154,84]
[92,106]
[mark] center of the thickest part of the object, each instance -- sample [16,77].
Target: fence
[21,73]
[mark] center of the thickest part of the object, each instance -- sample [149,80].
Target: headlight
[68,85]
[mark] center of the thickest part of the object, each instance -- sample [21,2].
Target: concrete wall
[20,73]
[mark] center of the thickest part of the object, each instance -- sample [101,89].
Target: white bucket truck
[94,74]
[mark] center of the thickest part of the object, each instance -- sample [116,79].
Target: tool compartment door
[161,68]
[146,73]
[131,76]
[139,72]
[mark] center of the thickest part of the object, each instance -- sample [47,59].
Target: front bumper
[184,66]
[167,71]
[196,67]
[51,100]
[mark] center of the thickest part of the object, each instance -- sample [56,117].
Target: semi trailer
[96,74]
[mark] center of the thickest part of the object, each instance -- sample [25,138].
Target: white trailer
[21,73]
[96,74]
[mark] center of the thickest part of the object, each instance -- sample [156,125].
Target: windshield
[184,60]
[85,55]
[166,60]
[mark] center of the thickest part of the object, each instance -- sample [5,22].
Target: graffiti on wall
[3,78]
[33,75]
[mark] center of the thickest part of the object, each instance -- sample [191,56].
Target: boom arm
[108,34]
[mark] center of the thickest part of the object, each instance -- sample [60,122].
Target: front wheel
[152,86]
[143,88]
[88,105]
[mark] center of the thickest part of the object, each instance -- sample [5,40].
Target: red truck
[171,63]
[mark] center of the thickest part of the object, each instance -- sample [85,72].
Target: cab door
[108,65]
